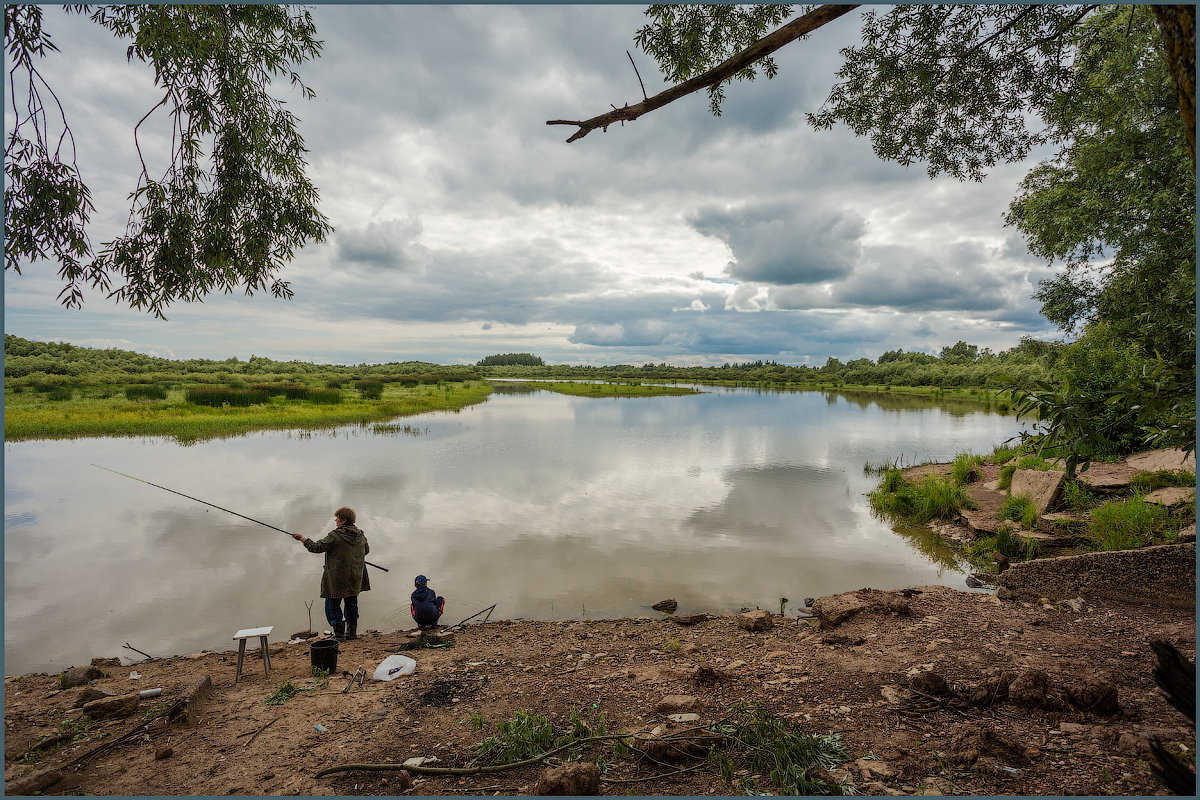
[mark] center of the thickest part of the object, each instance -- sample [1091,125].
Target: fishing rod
[214,505]
[473,616]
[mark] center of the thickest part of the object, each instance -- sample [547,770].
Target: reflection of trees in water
[931,545]
[887,401]
[504,387]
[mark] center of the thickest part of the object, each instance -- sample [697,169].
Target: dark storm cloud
[785,244]
[953,277]
[385,245]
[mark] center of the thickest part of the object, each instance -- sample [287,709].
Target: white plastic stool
[249,633]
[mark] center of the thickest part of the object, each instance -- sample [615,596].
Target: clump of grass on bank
[966,468]
[931,498]
[1127,524]
[1145,482]
[1076,496]
[1020,508]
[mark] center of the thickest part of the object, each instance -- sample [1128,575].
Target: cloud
[389,245]
[784,243]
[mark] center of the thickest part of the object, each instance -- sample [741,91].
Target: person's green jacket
[345,549]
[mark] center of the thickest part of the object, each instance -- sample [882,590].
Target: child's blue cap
[421,580]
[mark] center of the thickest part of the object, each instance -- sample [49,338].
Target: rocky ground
[937,692]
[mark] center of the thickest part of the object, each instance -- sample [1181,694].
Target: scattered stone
[166,751]
[577,778]
[1188,534]
[78,676]
[193,699]
[974,582]
[1075,604]
[404,782]
[876,767]
[739,664]
[1041,486]
[808,602]
[1133,744]
[928,682]
[111,707]
[667,606]
[891,693]
[684,717]
[836,609]
[1172,495]
[1033,689]
[659,745]
[676,703]
[841,639]
[106,662]
[90,693]
[976,741]
[36,782]
[1072,727]
[1001,561]
[690,647]
[1095,695]
[690,619]
[756,620]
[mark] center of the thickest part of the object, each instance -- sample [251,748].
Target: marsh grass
[29,416]
[931,498]
[613,389]
[1124,525]
[1020,508]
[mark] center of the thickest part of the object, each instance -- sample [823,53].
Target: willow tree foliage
[230,205]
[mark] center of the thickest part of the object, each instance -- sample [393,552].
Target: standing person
[345,548]
[426,605]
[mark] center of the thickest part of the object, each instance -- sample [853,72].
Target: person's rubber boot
[339,631]
[351,630]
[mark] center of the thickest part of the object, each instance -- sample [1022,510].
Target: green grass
[1033,462]
[1124,525]
[1020,508]
[1006,474]
[1076,496]
[1002,454]
[759,743]
[613,389]
[932,498]
[28,416]
[1004,541]
[1145,482]
[966,468]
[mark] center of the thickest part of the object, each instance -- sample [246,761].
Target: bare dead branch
[726,69]
[639,75]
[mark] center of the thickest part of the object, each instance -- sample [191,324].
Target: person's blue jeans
[333,610]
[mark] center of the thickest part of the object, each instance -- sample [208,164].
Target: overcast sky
[465,226]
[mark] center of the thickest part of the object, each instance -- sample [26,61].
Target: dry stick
[260,730]
[739,61]
[128,646]
[692,768]
[470,770]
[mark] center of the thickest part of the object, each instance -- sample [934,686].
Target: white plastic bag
[393,667]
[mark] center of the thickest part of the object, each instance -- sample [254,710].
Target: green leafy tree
[232,204]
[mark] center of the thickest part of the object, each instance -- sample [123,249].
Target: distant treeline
[49,364]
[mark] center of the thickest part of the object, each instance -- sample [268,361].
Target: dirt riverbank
[996,727]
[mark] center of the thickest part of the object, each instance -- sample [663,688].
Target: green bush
[60,393]
[1124,525]
[324,396]
[1020,508]
[294,391]
[145,392]
[370,389]
[218,396]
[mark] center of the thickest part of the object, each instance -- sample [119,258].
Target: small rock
[891,694]
[690,647]
[1072,727]
[404,782]
[575,778]
[739,664]
[1075,604]
[1133,744]
[929,683]
[756,620]
[106,662]
[808,601]
[37,782]
[111,707]
[684,717]
[676,703]
[667,606]
[974,582]
[78,676]
[876,767]
[166,751]
[89,693]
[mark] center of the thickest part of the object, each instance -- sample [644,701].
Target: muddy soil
[851,678]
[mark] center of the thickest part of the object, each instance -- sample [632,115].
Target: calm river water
[553,507]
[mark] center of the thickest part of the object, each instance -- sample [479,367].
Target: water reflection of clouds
[553,506]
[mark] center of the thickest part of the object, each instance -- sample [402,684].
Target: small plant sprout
[783,601]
